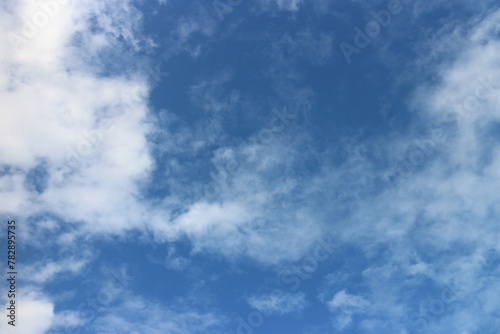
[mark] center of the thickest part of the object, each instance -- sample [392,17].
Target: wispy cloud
[278,303]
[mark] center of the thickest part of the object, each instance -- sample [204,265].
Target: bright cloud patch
[347,305]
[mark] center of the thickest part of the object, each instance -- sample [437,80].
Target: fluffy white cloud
[253,213]
[63,113]
[35,310]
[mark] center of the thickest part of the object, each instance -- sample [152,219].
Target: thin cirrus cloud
[449,189]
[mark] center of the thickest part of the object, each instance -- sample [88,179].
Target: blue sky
[266,166]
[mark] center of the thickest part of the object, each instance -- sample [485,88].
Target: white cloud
[172,261]
[44,272]
[88,130]
[67,319]
[133,313]
[34,313]
[252,213]
[345,305]
[344,300]
[444,210]
[288,5]
[278,302]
